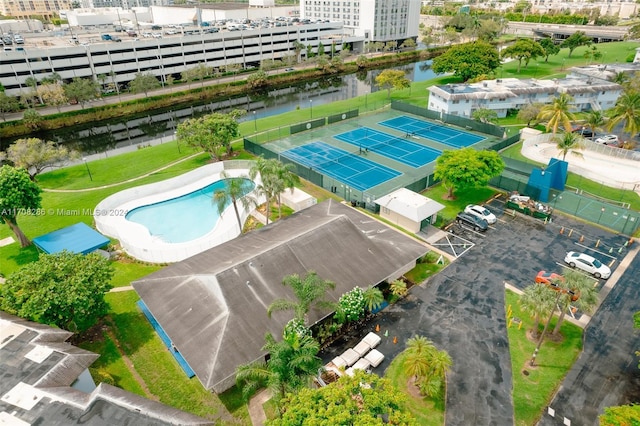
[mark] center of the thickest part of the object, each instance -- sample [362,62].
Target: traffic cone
[395,340]
[581,238]
[377,328]
[562,230]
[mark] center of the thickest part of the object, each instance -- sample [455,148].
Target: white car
[588,264]
[481,212]
[608,140]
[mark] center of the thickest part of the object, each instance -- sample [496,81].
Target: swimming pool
[183,218]
[174,219]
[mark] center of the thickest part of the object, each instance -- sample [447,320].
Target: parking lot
[462,308]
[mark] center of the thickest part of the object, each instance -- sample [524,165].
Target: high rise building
[376,20]
[23,9]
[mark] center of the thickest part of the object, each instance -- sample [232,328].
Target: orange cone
[395,340]
[377,328]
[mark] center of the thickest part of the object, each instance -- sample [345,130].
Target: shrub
[296,326]
[352,304]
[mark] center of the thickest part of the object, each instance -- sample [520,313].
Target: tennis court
[436,132]
[399,149]
[347,167]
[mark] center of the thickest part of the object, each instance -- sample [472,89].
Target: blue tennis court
[436,132]
[341,165]
[399,149]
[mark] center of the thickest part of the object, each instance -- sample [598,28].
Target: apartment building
[502,95]
[165,56]
[375,20]
[23,9]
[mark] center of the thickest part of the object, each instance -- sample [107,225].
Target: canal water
[161,125]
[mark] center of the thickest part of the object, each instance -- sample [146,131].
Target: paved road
[606,374]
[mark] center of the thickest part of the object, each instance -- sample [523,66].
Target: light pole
[366,93]
[311,107]
[255,124]
[177,141]
[87,166]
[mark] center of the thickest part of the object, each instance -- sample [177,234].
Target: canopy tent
[78,238]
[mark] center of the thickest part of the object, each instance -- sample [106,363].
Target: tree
[8,104]
[364,399]
[310,291]
[529,113]
[52,94]
[426,364]
[64,289]
[582,286]
[624,415]
[235,189]
[558,113]
[373,298]
[537,300]
[34,155]
[576,40]
[32,82]
[468,60]
[81,90]
[523,49]
[398,288]
[32,119]
[257,79]
[408,44]
[485,115]
[392,79]
[627,111]
[199,72]
[276,178]
[467,168]
[549,47]
[489,30]
[292,364]
[143,83]
[568,142]
[592,54]
[18,194]
[594,121]
[213,132]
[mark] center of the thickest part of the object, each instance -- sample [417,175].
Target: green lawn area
[453,207]
[532,391]
[428,412]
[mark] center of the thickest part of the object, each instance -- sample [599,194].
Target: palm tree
[441,362]
[419,351]
[595,121]
[620,78]
[627,111]
[537,300]
[581,286]
[285,179]
[398,288]
[309,291]
[557,113]
[235,190]
[292,364]
[373,298]
[569,142]
[266,169]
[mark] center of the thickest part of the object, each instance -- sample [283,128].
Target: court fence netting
[415,180]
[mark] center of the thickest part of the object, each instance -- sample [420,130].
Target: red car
[546,278]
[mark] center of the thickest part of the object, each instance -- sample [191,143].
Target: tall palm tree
[595,120]
[373,298]
[558,113]
[568,142]
[537,301]
[583,287]
[627,111]
[267,170]
[419,353]
[285,179]
[309,291]
[441,362]
[292,364]
[235,190]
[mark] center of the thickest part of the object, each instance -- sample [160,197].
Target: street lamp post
[177,141]
[311,107]
[87,166]
[366,93]
[255,123]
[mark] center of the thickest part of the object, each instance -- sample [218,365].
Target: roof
[78,238]
[410,204]
[37,370]
[213,305]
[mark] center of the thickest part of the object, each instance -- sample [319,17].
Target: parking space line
[597,280]
[597,251]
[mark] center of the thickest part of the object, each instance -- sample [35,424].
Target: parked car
[588,264]
[475,222]
[608,140]
[116,39]
[18,39]
[156,35]
[549,278]
[481,212]
[583,131]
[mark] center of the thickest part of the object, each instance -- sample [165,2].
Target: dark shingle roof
[213,305]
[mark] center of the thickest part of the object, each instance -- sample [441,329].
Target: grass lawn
[428,412]
[533,392]
[426,268]
[453,207]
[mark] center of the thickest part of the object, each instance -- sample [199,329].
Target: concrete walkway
[256,412]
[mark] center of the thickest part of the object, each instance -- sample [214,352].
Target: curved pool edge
[135,239]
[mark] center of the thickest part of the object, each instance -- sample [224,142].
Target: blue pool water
[183,218]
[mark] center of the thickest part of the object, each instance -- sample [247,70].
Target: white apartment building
[24,9]
[502,95]
[165,56]
[375,20]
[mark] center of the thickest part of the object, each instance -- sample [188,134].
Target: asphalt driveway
[462,309]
